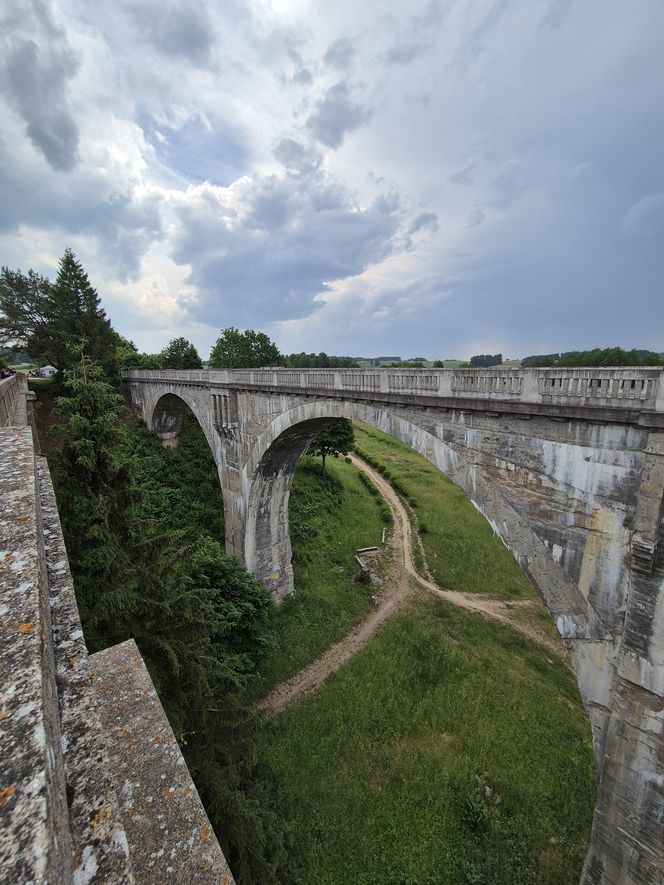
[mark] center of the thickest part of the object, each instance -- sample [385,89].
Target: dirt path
[395,588]
[491,608]
[400,574]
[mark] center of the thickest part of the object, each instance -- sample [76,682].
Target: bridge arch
[164,414]
[271,467]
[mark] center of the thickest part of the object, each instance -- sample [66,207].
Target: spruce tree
[93,497]
[76,319]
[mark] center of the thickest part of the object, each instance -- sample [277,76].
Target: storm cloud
[441,178]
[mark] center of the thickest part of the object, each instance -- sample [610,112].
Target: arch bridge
[567,465]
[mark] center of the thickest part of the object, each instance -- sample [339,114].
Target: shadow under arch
[165,421]
[269,475]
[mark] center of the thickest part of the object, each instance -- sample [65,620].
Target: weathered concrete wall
[567,466]
[60,774]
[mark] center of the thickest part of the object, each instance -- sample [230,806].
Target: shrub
[475,811]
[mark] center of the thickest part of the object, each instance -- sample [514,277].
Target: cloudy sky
[404,177]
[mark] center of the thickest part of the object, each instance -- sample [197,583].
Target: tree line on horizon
[50,321]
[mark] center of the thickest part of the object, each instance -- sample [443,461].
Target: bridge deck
[626,395]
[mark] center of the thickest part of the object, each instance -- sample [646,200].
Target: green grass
[387,764]
[329,519]
[460,546]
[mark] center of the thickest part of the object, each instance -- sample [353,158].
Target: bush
[386,514]
[475,811]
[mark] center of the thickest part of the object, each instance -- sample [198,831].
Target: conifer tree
[76,319]
[23,306]
[93,496]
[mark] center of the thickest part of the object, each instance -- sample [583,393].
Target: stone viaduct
[568,468]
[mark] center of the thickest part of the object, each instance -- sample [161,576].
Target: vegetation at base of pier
[462,552]
[331,516]
[450,750]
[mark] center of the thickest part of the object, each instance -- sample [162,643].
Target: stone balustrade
[626,388]
[13,392]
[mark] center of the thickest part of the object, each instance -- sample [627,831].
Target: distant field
[447,364]
[460,546]
[448,751]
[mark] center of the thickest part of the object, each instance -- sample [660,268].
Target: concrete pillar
[267,546]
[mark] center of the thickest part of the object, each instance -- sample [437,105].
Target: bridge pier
[267,548]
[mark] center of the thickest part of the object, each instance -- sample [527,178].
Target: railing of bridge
[12,400]
[628,387]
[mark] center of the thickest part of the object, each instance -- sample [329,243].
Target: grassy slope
[387,764]
[327,527]
[462,552]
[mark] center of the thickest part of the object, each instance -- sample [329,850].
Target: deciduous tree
[244,350]
[180,354]
[337,440]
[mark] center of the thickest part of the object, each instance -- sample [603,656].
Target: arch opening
[267,547]
[270,471]
[174,421]
[167,419]
[164,416]
[268,552]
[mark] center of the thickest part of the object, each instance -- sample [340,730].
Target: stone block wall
[64,817]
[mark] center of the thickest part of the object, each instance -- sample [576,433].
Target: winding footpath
[398,585]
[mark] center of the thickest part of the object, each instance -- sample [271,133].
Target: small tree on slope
[337,440]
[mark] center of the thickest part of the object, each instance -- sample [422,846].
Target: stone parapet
[633,394]
[167,827]
[60,774]
[35,840]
